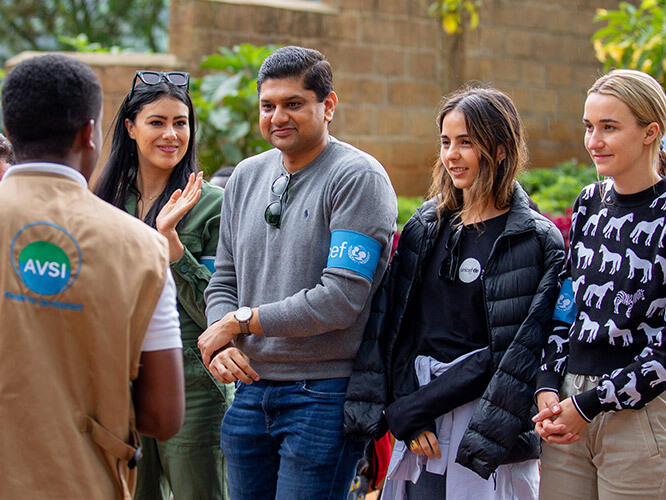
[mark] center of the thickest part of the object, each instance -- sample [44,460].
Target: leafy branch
[633,37]
[452,12]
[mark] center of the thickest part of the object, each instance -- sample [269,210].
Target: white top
[164,328]
[519,481]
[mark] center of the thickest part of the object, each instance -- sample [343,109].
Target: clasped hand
[230,364]
[557,422]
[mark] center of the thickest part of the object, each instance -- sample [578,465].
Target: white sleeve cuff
[164,329]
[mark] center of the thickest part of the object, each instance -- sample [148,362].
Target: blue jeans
[284,441]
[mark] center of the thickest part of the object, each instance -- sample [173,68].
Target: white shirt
[518,480]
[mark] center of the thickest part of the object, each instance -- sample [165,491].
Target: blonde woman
[602,382]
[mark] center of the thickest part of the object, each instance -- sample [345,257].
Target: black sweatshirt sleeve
[463,382]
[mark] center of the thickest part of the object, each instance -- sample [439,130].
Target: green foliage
[633,37]
[406,208]
[555,189]
[2,79]
[37,24]
[227,107]
[81,43]
[451,13]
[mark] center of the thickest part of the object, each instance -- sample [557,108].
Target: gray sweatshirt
[313,277]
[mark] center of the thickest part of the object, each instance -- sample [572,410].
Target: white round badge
[469,270]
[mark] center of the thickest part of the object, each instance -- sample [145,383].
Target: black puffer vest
[520,287]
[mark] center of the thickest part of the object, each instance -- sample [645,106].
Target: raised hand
[174,210]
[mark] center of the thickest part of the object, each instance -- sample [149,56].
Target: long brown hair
[643,96]
[492,123]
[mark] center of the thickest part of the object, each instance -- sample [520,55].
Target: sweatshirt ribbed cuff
[548,380]
[587,403]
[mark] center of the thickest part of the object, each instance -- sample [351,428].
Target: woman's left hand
[174,210]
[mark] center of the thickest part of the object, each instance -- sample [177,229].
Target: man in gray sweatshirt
[304,241]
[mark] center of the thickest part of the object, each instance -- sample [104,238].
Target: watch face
[244,314]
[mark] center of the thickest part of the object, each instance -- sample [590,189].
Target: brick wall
[539,51]
[389,72]
[392,64]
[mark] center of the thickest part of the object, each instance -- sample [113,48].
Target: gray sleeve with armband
[362,215]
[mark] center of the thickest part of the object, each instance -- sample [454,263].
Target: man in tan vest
[90,348]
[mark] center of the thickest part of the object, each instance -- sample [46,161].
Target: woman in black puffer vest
[458,324]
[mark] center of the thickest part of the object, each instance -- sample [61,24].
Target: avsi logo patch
[44,267]
[46,257]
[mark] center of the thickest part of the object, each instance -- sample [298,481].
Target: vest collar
[48,168]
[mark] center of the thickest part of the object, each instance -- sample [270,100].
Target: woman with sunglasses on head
[461,315]
[152,174]
[601,387]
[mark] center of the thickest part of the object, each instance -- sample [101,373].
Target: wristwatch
[243,316]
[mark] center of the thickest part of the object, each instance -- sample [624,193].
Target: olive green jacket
[199,235]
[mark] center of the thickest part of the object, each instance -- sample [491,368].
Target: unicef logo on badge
[46,257]
[359,254]
[563,303]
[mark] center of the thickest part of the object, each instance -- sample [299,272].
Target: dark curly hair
[45,102]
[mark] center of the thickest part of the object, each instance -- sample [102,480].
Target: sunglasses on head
[177,78]
[274,209]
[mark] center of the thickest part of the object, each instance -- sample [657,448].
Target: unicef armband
[209,262]
[354,251]
[565,307]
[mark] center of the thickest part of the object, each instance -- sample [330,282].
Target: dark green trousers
[191,464]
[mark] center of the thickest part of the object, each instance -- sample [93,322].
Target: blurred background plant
[407,205]
[555,189]
[452,12]
[81,43]
[227,106]
[633,37]
[45,24]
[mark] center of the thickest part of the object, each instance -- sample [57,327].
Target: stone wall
[392,64]
[389,72]
[539,51]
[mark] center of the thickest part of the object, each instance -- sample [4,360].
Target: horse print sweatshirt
[610,316]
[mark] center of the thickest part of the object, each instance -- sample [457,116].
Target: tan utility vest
[79,282]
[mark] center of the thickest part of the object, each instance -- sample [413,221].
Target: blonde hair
[492,123]
[643,96]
